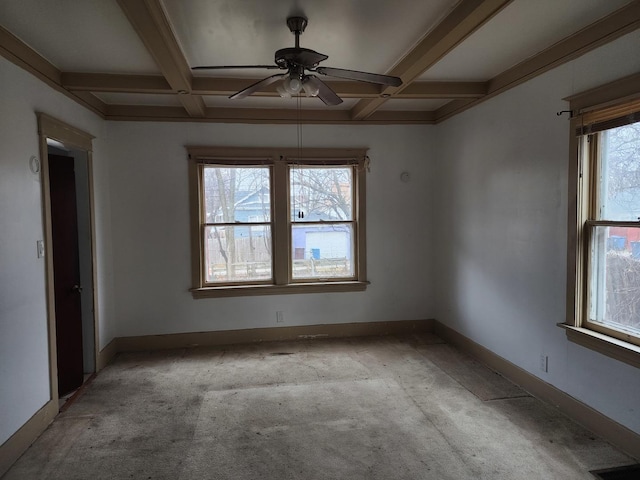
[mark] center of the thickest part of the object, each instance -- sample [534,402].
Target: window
[236,204]
[613,233]
[604,250]
[271,221]
[322,226]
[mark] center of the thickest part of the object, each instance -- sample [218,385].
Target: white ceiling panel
[81,36]
[366,35]
[522,29]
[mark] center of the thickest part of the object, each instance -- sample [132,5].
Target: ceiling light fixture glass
[310,89]
[291,85]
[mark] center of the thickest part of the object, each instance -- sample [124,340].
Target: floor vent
[630,472]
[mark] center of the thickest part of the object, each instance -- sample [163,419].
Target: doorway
[69,254]
[73,322]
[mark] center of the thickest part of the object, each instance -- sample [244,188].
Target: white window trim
[279,159]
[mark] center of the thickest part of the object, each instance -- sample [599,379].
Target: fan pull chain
[299,139]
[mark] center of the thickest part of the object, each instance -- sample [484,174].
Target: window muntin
[333,221]
[613,233]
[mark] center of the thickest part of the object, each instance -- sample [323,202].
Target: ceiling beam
[150,22]
[263,115]
[19,53]
[465,19]
[15,50]
[419,90]
[94,102]
[108,82]
[605,30]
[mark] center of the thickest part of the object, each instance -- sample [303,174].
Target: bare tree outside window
[321,207]
[237,223]
[615,251]
[321,193]
[620,153]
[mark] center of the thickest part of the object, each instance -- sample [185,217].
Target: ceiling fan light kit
[309,87]
[292,85]
[297,60]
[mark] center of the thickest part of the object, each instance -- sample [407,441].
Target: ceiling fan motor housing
[297,24]
[288,58]
[296,56]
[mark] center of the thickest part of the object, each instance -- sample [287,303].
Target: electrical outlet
[40,248]
[544,363]
[279,317]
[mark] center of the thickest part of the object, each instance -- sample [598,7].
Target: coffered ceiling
[132,59]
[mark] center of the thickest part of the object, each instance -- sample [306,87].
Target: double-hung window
[271,221]
[604,307]
[236,223]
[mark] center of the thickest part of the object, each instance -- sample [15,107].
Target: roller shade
[605,118]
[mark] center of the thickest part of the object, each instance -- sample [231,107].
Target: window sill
[609,346]
[251,290]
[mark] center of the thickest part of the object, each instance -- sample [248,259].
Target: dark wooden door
[66,273]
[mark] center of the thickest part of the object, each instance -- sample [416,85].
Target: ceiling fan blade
[309,59]
[232,67]
[360,76]
[325,93]
[257,86]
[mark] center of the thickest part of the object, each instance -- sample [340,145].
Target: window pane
[322,251]
[237,253]
[615,278]
[620,176]
[321,193]
[236,194]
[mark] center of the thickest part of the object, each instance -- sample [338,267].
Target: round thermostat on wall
[34,164]
[404,177]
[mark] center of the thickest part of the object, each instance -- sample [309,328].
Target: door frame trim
[50,127]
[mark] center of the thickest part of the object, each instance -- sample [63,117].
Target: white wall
[24,364]
[501,192]
[485,209]
[150,213]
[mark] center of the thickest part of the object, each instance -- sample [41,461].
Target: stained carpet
[369,408]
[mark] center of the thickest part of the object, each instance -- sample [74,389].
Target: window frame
[279,160]
[607,103]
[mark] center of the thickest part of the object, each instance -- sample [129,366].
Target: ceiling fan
[298,61]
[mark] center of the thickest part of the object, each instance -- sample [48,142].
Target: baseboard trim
[254,335]
[106,354]
[22,439]
[626,440]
